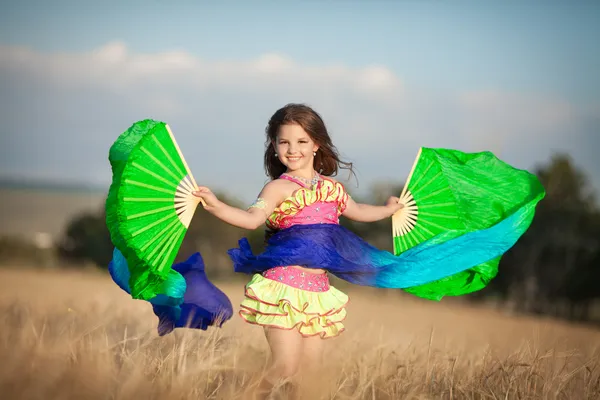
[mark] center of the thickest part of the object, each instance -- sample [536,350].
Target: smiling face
[295,148]
[294,133]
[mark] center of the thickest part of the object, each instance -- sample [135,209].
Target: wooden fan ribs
[422,218]
[151,225]
[182,158]
[159,163]
[166,154]
[159,171]
[145,185]
[170,228]
[164,255]
[155,175]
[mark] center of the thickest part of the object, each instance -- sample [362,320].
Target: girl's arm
[360,212]
[250,219]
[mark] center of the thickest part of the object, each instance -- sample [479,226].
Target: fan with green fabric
[150,205]
[429,205]
[450,193]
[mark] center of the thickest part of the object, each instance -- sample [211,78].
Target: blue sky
[515,77]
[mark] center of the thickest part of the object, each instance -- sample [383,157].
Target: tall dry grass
[76,336]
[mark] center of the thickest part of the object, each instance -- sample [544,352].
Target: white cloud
[79,103]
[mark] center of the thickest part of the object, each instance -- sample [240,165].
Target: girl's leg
[286,352]
[312,352]
[311,367]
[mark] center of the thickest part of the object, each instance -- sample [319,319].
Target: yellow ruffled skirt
[276,304]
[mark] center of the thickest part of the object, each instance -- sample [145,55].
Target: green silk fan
[150,204]
[429,205]
[449,193]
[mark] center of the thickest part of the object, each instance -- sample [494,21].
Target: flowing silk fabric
[200,303]
[455,193]
[347,256]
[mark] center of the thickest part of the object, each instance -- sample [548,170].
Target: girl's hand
[393,205]
[210,200]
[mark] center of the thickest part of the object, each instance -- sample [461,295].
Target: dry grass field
[75,335]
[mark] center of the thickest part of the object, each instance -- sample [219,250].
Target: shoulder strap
[291,179]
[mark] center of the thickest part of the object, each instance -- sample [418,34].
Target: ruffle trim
[326,190]
[274,304]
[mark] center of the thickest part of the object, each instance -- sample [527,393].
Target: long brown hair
[327,161]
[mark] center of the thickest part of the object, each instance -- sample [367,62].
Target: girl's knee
[285,370]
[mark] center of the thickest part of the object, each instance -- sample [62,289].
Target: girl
[296,306]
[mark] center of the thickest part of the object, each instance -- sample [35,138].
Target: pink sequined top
[322,203]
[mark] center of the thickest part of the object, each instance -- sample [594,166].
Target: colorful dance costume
[286,297]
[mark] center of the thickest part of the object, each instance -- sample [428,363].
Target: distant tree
[86,239]
[549,262]
[580,286]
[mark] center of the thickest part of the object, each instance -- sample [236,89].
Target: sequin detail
[299,279]
[259,203]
